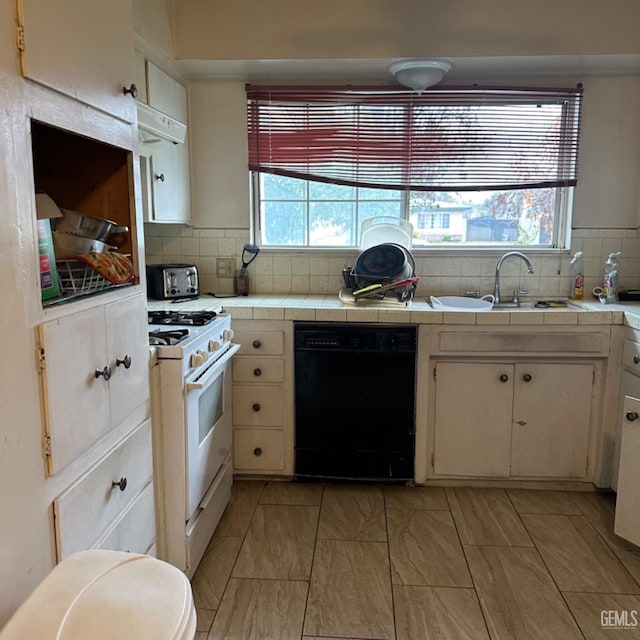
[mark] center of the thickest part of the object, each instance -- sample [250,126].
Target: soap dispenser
[610,280]
[576,291]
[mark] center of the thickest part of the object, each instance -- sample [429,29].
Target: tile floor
[296,561]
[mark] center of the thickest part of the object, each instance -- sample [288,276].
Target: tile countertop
[329,308]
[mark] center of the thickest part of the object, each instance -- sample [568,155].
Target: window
[466,166]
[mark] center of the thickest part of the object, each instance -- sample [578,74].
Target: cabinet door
[473,419]
[82,49]
[551,420]
[76,403]
[169,179]
[627,522]
[128,356]
[165,94]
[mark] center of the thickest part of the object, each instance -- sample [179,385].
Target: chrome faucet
[515,302]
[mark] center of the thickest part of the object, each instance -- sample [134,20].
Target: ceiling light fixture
[418,74]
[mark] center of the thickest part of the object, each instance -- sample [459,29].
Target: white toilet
[107,595]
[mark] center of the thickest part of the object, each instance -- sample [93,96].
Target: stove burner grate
[192,318]
[170,337]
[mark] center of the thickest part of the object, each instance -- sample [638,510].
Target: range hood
[157,129]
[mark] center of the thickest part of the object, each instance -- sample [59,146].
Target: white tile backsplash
[284,272]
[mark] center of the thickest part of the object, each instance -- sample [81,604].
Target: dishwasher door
[355,402]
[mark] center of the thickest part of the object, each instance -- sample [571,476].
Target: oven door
[209,427]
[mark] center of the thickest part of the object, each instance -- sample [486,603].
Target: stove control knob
[228,334]
[214,345]
[197,359]
[203,354]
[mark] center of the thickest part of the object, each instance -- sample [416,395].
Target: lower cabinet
[263,398]
[512,419]
[111,506]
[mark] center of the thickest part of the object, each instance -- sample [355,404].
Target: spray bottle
[610,280]
[576,291]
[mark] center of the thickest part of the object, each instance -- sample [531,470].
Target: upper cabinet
[81,49]
[164,146]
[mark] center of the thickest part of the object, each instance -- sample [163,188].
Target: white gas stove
[192,426]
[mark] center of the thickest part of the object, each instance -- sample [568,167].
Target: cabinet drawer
[260,343]
[258,450]
[258,406]
[631,356]
[91,505]
[135,530]
[258,370]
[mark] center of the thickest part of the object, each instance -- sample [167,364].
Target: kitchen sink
[465,303]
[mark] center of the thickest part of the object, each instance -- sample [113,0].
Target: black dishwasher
[355,401]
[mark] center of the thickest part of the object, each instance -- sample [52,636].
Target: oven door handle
[212,372]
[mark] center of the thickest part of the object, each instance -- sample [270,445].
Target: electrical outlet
[225,267]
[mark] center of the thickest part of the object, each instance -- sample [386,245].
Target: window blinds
[445,139]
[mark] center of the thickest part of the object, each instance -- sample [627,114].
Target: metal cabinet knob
[256,344]
[257,372]
[105,373]
[256,406]
[121,484]
[636,359]
[504,377]
[132,90]
[126,361]
[527,377]
[631,416]
[160,176]
[257,451]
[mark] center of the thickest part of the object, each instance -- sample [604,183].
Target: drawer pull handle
[132,90]
[257,451]
[527,377]
[631,416]
[636,359]
[121,484]
[256,406]
[257,372]
[126,361]
[504,377]
[256,344]
[105,373]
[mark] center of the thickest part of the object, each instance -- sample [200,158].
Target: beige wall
[152,21]
[280,29]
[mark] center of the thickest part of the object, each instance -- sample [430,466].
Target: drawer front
[91,505]
[258,406]
[135,530]
[258,370]
[631,356]
[258,450]
[260,343]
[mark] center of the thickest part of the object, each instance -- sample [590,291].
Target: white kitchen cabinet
[551,420]
[473,408]
[167,180]
[527,420]
[81,49]
[95,374]
[627,520]
[510,402]
[263,398]
[164,165]
[111,505]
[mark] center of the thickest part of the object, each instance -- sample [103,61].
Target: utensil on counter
[241,279]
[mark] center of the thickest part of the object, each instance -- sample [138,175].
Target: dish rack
[77,277]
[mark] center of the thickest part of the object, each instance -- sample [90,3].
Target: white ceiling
[376,70]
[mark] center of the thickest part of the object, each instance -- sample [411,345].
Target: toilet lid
[107,595]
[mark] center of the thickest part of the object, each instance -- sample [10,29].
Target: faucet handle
[517,294]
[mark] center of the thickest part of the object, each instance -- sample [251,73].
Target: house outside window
[321,167]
